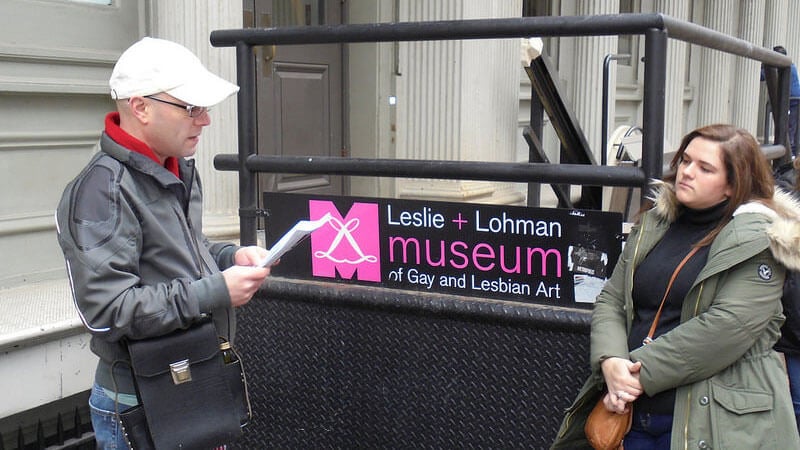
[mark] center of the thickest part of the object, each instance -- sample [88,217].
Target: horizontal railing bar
[696,34]
[578,174]
[600,25]
[773,151]
[542,26]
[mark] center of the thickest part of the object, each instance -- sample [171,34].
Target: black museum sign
[538,255]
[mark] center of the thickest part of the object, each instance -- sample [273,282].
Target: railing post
[537,128]
[655,75]
[604,127]
[781,113]
[248,201]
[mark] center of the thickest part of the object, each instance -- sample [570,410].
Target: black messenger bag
[189,397]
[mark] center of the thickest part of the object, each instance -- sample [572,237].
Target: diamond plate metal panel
[325,373]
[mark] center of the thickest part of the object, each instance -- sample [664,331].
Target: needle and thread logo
[348,245]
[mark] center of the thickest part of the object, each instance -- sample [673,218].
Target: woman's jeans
[793,369]
[649,432]
[107,429]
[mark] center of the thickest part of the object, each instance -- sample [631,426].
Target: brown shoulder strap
[652,331]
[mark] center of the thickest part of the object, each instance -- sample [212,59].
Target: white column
[747,79]
[776,19]
[716,72]
[190,22]
[372,114]
[792,38]
[777,16]
[457,100]
[674,116]
[588,75]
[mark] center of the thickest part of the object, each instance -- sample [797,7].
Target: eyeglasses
[193,111]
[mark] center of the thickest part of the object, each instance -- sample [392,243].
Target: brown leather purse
[604,429]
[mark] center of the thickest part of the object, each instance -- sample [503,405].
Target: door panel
[299,93]
[302,98]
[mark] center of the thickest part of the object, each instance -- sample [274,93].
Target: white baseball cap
[151,66]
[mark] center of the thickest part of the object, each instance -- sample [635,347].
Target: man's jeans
[107,429]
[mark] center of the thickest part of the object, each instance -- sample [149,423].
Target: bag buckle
[181,372]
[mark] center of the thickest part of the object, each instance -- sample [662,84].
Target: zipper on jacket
[198,256]
[187,218]
[697,301]
[686,421]
[629,313]
[201,263]
[198,260]
[689,394]
[191,169]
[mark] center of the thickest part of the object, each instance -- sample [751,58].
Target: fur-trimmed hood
[783,232]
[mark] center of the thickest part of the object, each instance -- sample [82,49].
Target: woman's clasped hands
[622,379]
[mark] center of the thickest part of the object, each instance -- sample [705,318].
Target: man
[130,224]
[794,103]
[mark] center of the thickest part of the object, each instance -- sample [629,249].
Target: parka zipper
[686,421]
[689,393]
[629,311]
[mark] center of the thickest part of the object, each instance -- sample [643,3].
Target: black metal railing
[656,28]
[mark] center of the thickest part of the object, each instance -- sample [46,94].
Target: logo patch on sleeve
[765,272]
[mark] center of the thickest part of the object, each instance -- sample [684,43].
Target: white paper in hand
[300,230]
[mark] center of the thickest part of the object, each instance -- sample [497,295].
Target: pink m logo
[347,245]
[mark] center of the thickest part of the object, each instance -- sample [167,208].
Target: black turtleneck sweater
[650,281]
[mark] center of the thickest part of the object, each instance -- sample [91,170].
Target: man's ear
[139,109]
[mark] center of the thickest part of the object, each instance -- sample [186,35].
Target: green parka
[732,388]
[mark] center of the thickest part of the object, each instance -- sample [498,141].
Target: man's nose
[204,119]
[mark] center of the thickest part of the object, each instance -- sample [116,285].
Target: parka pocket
[742,418]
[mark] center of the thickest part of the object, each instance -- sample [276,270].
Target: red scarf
[124,139]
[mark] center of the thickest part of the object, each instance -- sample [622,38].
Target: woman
[789,343]
[709,378]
